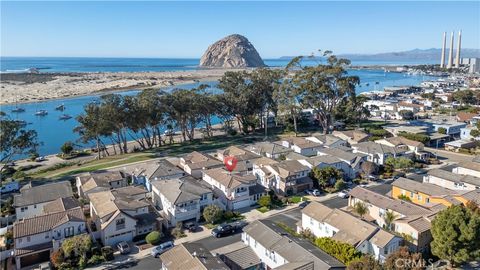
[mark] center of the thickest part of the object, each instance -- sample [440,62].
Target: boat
[64,117]
[18,110]
[60,107]
[41,113]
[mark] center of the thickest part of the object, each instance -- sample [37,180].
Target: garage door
[115,239]
[241,204]
[36,258]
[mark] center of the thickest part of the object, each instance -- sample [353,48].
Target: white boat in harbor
[64,117]
[18,110]
[41,113]
[60,107]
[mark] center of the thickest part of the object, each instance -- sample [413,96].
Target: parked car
[228,229]
[158,250]
[44,266]
[40,159]
[303,204]
[313,192]
[123,247]
[190,226]
[343,194]
[9,187]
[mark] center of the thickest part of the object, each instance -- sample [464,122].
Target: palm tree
[360,208]
[389,217]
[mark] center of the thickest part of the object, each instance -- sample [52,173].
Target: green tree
[389,217]
[285,96]
[415,137]
[326,176]
[401,163]
[365,263]
[402,259]
[340,184]
[153,237]
[265,201]
[15,140]
[343,252]
[67,148]
[456,234]
[465,97]
[442,130]
[212,213]
[360,208]
[406,114]
[404,198]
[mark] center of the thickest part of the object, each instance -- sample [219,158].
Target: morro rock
[234,51]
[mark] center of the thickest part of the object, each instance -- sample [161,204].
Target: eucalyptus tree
[324,87]
[92,128]
[114,117]
[206,107]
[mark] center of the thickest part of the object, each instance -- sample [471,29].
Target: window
[47,235]
[120,224]
[428,200]
[35,206]
[311,221]
[28,238]
[411,194]
[19,240]
[69,231]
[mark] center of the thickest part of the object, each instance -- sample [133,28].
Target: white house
[323,221]
[301,145]
[269,150]
[324,161]
[100,181]
[36,237]
[233,190]
[146,173]
[376,152]
[279,250]
[181,199]
[121,214]
[286,177]
[410,146]
[31,200]
[354,160]
[468,168]
[244,158]
[195,162]
[451,181]
[328,140]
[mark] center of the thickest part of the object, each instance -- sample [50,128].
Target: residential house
[409,106]
[378,153]
[100,181]
[463,197]
[419,193]
[452,128]
[233,190]
[465,134]
[181,199]
[191,256]
[460,144]
[412,221]
[468,168]
[279,250]
[402,143]
[243,258]
[146,173]
[323,221]
[244,158]
[352,136]
[121,214]
[270,150]
[287,177]
[195,162]
[36,237]
[61,205]
[301,145]
[324,161]
[328,140]
[354,160]
[260,169]
[465,117]
[453,181]
[32,199]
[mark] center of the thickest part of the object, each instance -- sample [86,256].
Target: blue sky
[185,29]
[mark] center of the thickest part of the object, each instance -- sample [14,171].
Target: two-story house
[378,153]
[121,214]
[354,160]
[287,177]
[195,162]
[244,158]
[417,148]
[301,145]
[453,181]
[190,256]
[323,221]
[324,161]
[419,193]
[233,190]
[36,237]
[32,199]
[181,199]
[412,221]
[269,150]
[277,249]
[328,141]
[100,181]
[351,136]
[146,173]
[260,170]
[468,168]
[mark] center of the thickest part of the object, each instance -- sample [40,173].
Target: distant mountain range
[415,54]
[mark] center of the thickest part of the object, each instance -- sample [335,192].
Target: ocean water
[53,132]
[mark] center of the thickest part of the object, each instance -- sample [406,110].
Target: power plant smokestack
[450,53]
[457,59]
[442,61]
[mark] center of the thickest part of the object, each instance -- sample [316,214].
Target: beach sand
[24,88]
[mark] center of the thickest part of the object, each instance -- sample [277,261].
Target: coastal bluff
[234,51]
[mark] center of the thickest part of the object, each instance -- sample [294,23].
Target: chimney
[450,53]
[442,61]
[457,60]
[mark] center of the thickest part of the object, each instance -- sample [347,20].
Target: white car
[343,194]
[158,250]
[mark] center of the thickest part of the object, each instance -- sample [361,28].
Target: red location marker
[230,163]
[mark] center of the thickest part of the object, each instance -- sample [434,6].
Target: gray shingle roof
[181,190]
[191,256]
[374,148]
[426,188]
[61,204]
[453,177]
[43,193]
[244,257]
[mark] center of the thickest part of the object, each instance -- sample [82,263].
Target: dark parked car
[223,230]
[190,226]
[303,204]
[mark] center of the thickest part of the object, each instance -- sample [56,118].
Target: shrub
[212,214]
[107,253]
[153,238]
[19,175]
[177,232]
[442,130]
[404,198]
[341,251]
[415,137]
[94,260]
[265,201]
[296,199]
[263,209]
[340,184]
[57,258]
